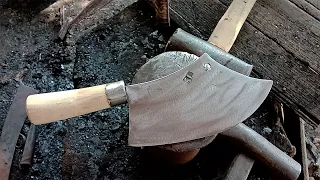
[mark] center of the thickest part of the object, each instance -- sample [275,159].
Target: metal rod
[183,41]
[240,168]
[264,151]
[28,147]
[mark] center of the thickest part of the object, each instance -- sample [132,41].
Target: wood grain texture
[292,28]
[201,16]
[315,3]
[308,8]
[93,5]
[228,27]
[50,107]
[281,45]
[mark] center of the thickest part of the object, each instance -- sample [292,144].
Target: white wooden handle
[50,107]
[227,29]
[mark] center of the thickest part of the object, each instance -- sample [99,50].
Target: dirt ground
[93,146]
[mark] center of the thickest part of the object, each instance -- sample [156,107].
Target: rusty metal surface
[28,147]
[162,10]
[183,41]
[264,151]
[200,100]
[11,129]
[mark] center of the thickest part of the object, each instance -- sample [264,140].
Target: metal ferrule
[116,93]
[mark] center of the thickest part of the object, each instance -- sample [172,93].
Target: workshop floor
[92,146]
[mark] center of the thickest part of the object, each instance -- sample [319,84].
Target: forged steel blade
[200,100]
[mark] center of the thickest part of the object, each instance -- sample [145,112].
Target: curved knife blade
[200,100]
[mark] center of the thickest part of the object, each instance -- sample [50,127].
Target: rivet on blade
[207,67]
[188,77]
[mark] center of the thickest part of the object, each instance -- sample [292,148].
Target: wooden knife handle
[50,107]
[227,29]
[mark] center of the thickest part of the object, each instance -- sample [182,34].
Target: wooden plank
[229,26]
[202,15]
[291,27]
[185,24]
[308,8]
[315,3]
[295,84]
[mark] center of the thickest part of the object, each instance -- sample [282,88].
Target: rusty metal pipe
[263,150]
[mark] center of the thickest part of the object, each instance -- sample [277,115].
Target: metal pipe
[183,41]
[264,151]
[29,146]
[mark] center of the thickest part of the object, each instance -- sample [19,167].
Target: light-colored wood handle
[227,29]
[50,107]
